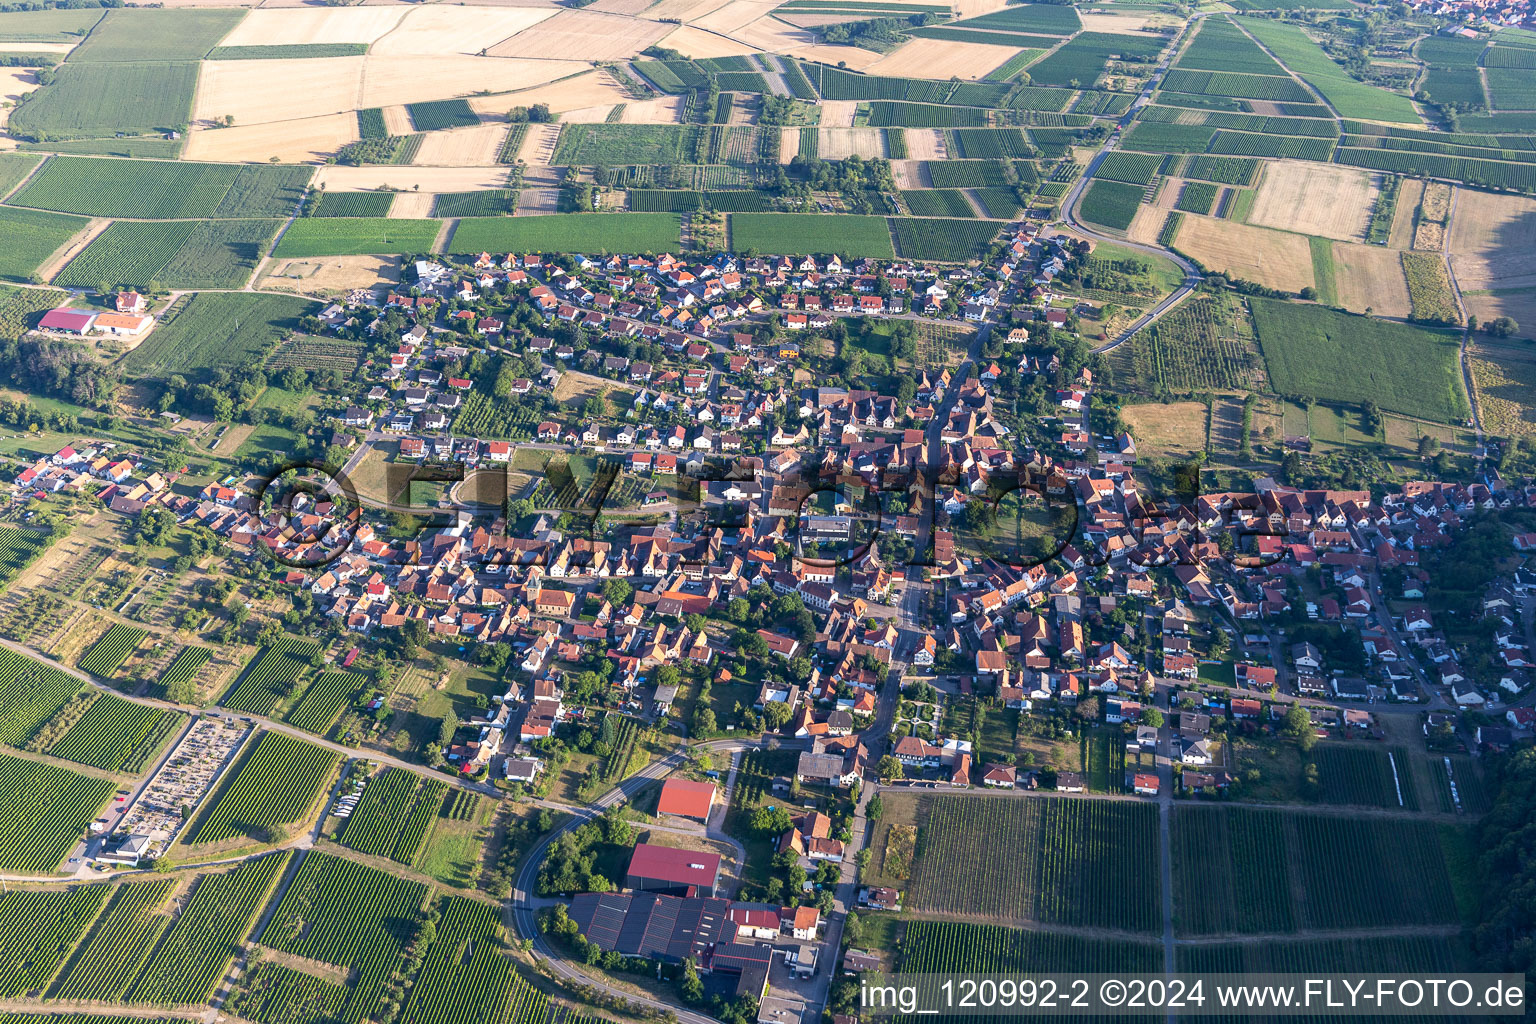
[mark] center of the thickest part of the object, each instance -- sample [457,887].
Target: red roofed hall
[675,872]
[74,321]
[687,798]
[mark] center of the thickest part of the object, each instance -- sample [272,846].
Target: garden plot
[259,91]
[841,143]
[435,29]
[1275,259]
[941,58]
[336,178]
[304,140]
[1315,199]
[314,25]
[462,147]
[418,78]
[580,35]
[1369,276]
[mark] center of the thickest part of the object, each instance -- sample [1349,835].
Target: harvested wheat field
[1504,375]
[305,140]
[838,113]
[1370,276]
[338,178]
[259,91]
[462,147]
[60,48]
[14,84]
[1410,192]
[1114,22]
[314,25]
[418,79]
[332,275]
[628,7]
[1147,224]
[436,29]
[1168,195]
[1493,242]
[539,144]
[941,58]
[840,143]
[662,110]
[1436,204]
[726,20]
[592,89]
[774,36]
[1315,199]
[397,120]
[588,115]
[1276,259]
[694,42]
[926,144]
[412,205]
[854,58]
[682,10]
[582,35]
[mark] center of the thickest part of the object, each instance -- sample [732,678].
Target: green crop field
[13,168]
[489,203]
[357,236]
[217,329]
[1332,356]
[131,34]
[1240,86]
[354,204]
[951,240]
[1111,203]
[1080,62]
[340,912]
[1456,85]
[128,253]
[189,661]
[998,203]
[658,200]
[1349,97]
[615,144]
[1255,144]
[937,202]
[1357,774]
[159,190]
[95,100]
[1204,343]
[273,786]
[439,114]
[466,976]
[1131,168]
[288,51]
[1048,19]
[30,694]
[993,143]
[199,947]
[569,232]
[31,236]
[1197,197]
[955,947]
[59,25]
[889,113]
[270,993]
[1228,170]
[114,951]
[271,676]
[19,547]
[112,731]
[323,701]
[966,173]
[1064,850]
[393,815]
[1157,137]
[1420,954]
[48,809]
[114,647]
[1493,173]
[37,930]
[786,233]
[1248,870]
[1511,88]
[1221,46]
[1429,288]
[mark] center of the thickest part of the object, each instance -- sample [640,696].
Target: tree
[770,821]
[1502,327]
[446,729]
[776,713]
[690,987]
[617,592]
[1087,710]
[182,691]
[889,768]
[1152,717]
[874,809]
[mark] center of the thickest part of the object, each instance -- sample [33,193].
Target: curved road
[1192,275]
